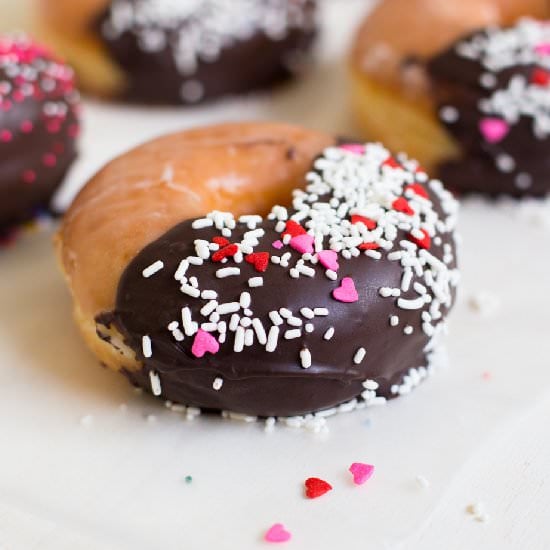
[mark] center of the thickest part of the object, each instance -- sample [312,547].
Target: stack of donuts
[263,268]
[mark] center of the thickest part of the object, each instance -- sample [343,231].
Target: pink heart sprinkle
[361,472]
[543,48]
[329,259]
[353,148]
[346,291]
[277,533]
[493,129]
[277,244]
[302,243]
[204,342]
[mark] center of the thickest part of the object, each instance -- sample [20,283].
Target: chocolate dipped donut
[181,51]
[38,126]
[338,297]
[442,97]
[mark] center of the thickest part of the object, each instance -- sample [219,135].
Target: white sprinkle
[182,269]
[227,272]
[202,223]
[189,326]
[505,163]
[394,320]
[255,282]
[147,347]
[229,307]
[153,268]
[209,327]
[246,322]
[195,260]
[248,337]
[422,482]
[523,180]
[488,80]
[245,300]
[272,339]
[202,249]
[239,340]
[305,358]
[408,330]
[449,114]
[309,328]
[417,303]
[293,333]
[320,311]
[286,313]
[329,333]
[371,385]
[190,291]
[209,308]
[156,388]
[276,319]
[294,322]
[307,313]
[260,331]
[359,356]
[217,384]
[332,275]
[234,322]
[209,294]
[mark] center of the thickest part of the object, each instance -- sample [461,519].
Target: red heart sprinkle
[402,205]
[316,487]
[369,246]
[225,252]
[367,222]
[418,189]
[540,77]
[260,260]
[293,229]
[426,242]
[221,241]
[390,161]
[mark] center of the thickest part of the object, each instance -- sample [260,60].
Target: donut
[408,86]
[38,126]
[334,297]
[180,51]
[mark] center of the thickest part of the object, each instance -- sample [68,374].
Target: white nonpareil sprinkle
[359,356]
[156,388]
[305,358]
[153,268]
[394,320]
[217,384]
[147,347]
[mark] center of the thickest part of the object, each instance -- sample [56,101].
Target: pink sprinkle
[543,49]
[493,129]
[5,136]
[49,160]
[29,176]
[329,259]
[302,243]
[73,130]
[204,342]
[26,126]
[277,533]
[277,244]
[486,375]
[346,292]
[53,127]
[361,472]
[353,148]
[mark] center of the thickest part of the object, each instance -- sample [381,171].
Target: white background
[478,431]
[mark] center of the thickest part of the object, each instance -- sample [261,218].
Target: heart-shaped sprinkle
[227,251]
[493,129]
[540,77]
[425,242]
[402,205]
[543,48]
[418,189]
[367,222]
[260,260]
[277,533]
[278,244]
[353,148]
[220,241]
[369,246]
[390,161]
[361,472]
[302,243]
[316,487]
[204,342]
[329,259]
[293,229]
[346,291]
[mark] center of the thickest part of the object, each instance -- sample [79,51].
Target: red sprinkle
[293,229]
[540,77]
[221,241]
[227,251]
[402,205]
[426,242]
[367,222]
[418,189]
[390,161]
[29,176]
[260,260]
[369,246]
[316,487]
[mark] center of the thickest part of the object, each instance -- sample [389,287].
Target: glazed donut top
[366,249]
[399,33]
[493,91]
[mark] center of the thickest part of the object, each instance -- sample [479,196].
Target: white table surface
[477,431]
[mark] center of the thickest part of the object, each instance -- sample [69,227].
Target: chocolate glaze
[257,62]
[37,131]
[457,83]
[255,381]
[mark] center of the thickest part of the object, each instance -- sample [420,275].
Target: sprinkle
[156,388]
[203,343]
[329,333]
[217,384]
[394,320]
[260,331]
[346,292]
[408,330]
[255,282]
[307,313]
[361,472]
[277,533]
[493,129]
[505,163]
[190,290]
[195,260]
[305,357]
[320,311]
[278,244]
[422,482]
[449,114]
[359,356]
[202,223]
[189,326]
[272,339]
[309,328]
[417,303]
[292,334]
[209,308]
[329,259]
[227,272]
[182,270]
[147,347]
[316,487]
[302,243]
[153,268]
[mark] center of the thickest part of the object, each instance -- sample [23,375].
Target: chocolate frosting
[174,61]
[263,383]
[38,127]
[466,80]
